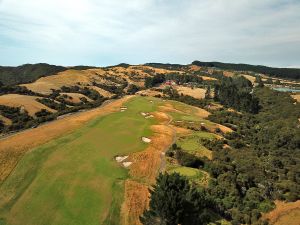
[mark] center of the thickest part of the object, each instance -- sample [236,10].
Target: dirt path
[14,147]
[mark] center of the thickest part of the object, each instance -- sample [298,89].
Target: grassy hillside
[27,73]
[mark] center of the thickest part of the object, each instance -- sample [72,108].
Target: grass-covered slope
[27,73]
[75,179]
[292,73]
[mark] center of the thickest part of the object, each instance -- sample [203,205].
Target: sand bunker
[121,158]
[126,164]
[146,140]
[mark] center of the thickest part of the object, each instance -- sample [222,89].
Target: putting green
[75,179]
[185,171]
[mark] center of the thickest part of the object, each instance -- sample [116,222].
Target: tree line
[291,73]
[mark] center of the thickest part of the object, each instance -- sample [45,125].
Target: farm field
[76,174]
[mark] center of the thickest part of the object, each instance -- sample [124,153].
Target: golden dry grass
[228,73]
[249,77]
[29,103]
[75,97]
[132,74]
[137,198]
[208,78]
[149,92]
[296,96]
[194,68]
[194,92]
[13,148]
[66,78]
[284,213]
[144,170]
[101,91]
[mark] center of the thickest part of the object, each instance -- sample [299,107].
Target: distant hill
[166,66]
[27,73]
[291,73]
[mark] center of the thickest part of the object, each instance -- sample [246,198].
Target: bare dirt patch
[284,213]
[27,102]
[13,147]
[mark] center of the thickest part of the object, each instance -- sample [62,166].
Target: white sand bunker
[121,158]
[146,140]
[146,115]
[126,164]
[122,109]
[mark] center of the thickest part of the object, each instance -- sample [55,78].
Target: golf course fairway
[75,179]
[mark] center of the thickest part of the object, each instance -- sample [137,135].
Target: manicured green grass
[192,143]
[75,179]
[185,171]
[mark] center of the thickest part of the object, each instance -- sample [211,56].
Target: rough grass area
[27,102]
[192,143]
[75,179]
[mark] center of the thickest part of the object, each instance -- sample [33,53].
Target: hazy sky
[106,32]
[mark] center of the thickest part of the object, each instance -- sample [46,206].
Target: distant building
[170,82]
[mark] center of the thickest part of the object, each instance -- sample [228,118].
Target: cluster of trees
[14,89]
[52,104]
[175,201]
[174,95]
[184,158]
[236,93]
[262,163]
[132,89]
[177,77]
[19,118]
[292,73]
[166,66]
[117,90]
[92,94]
[260,166]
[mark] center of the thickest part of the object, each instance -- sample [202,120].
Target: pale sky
[106,32]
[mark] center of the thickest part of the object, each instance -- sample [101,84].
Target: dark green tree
[174,201]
